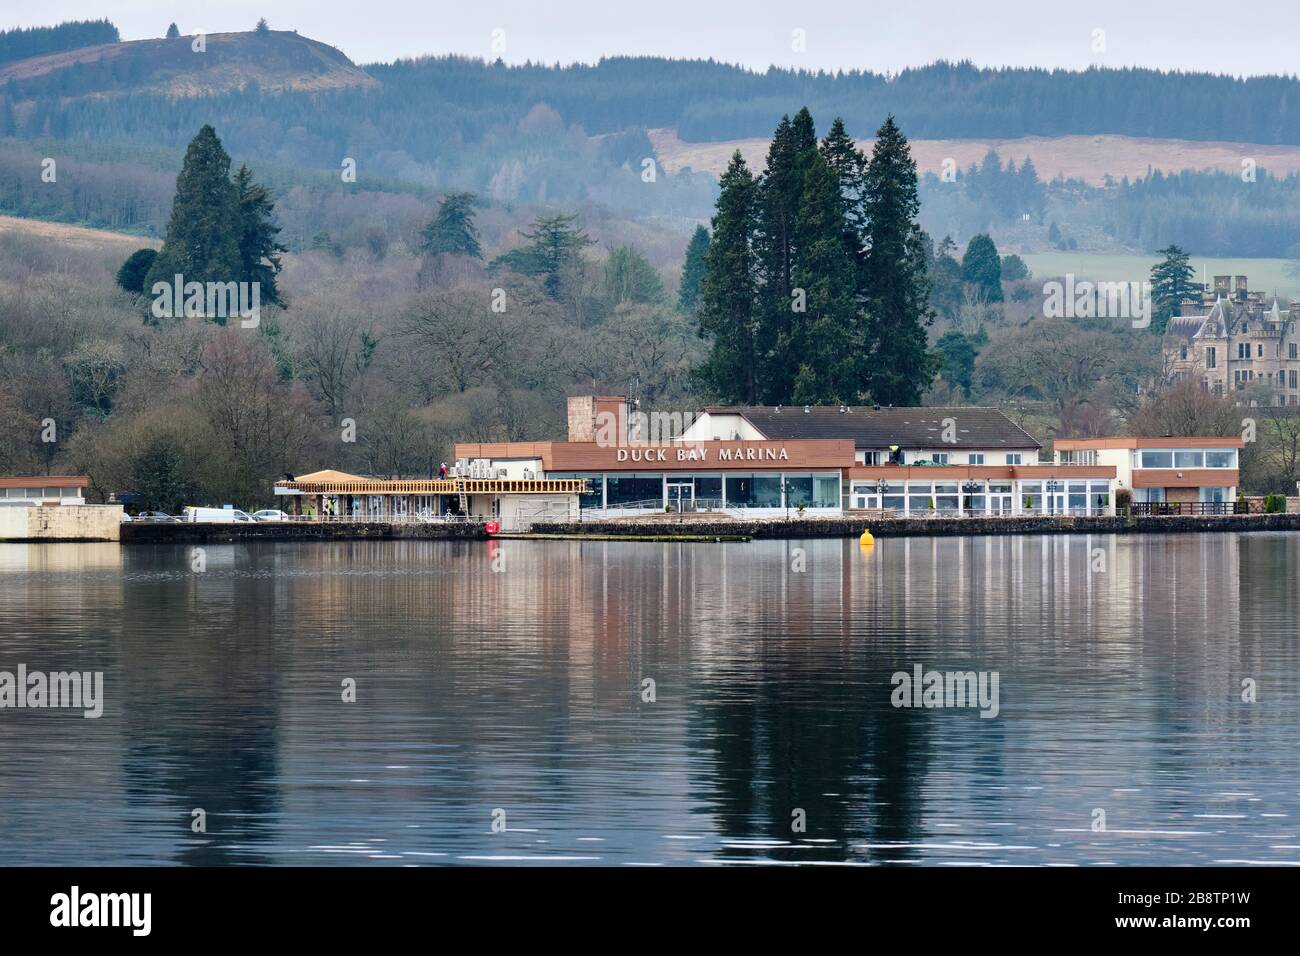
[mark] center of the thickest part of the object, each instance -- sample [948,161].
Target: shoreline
[710,529]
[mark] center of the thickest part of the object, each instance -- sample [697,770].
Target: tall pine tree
[780,190]
[201,243]
[452,230]
[259,249]
[1171,282]
[688,292]
[727,292]
[823,342]
[898,288]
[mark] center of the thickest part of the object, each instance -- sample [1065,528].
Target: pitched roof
[328,475]
[922,428]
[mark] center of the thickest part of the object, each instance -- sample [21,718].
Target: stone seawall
[846,527]
[202,533]
[60,522]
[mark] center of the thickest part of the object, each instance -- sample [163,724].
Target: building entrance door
[681,495]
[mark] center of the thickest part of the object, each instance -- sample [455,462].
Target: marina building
[1184,471]
[765,461]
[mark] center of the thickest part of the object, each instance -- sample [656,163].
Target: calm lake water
[1120,661]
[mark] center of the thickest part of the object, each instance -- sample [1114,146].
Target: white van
[218,515]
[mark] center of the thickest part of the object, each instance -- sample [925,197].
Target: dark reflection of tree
[812,728]
[201,725]
[853,766]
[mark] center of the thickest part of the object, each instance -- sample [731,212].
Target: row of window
[1189,458]
[993,497]
[1243,352]
[934,457]
[40,493]
[733,490]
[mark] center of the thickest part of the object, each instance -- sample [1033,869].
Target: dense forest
[20,43]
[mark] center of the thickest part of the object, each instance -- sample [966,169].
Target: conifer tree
[554,253]
[982,268]
[259,249]
[898,288]
[780,191]
[727,291]
[173,31]
[1171,282]
[688,292]
[824,339]
[201,242]
[452,230]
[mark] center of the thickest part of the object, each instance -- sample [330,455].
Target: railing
[1147,509]
[417,518]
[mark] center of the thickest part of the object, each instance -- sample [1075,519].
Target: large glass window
[799,491]
[1221,459]
[740,491]
[640,490]
[708,488]
[767,491]
[1157,459]
[826,491]
[918,497]
[1189,459]
[1078,497]
[893,499]
[1031,496]
[945,496]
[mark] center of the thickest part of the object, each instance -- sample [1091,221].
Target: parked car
[270,514]
[155,516]
[125,517]
[218,515]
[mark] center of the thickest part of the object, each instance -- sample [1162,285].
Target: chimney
[604,418]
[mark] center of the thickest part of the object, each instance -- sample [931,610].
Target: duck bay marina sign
[808,453]
[701,454]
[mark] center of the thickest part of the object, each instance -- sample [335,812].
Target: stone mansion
[1235,340]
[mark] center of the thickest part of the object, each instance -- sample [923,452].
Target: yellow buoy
[866,538]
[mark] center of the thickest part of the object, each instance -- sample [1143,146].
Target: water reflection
[509,676]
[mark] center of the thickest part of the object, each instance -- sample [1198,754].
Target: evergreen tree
[173,31]
[794,144]
[262,27]
[1014,269]
[727,291]
[132,273]
[452,230]
[850,166]
[158,476]
[1171,282]
[259,249]
[553,253]
[824,338]
[688,292]
[201,243]
[898,288]
[982,268]
[958,352]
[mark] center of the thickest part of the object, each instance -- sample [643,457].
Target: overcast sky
[1243,38]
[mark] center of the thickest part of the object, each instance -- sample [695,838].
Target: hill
[1086,158]
[277,61]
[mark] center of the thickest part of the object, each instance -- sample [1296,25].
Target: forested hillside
[26,42]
